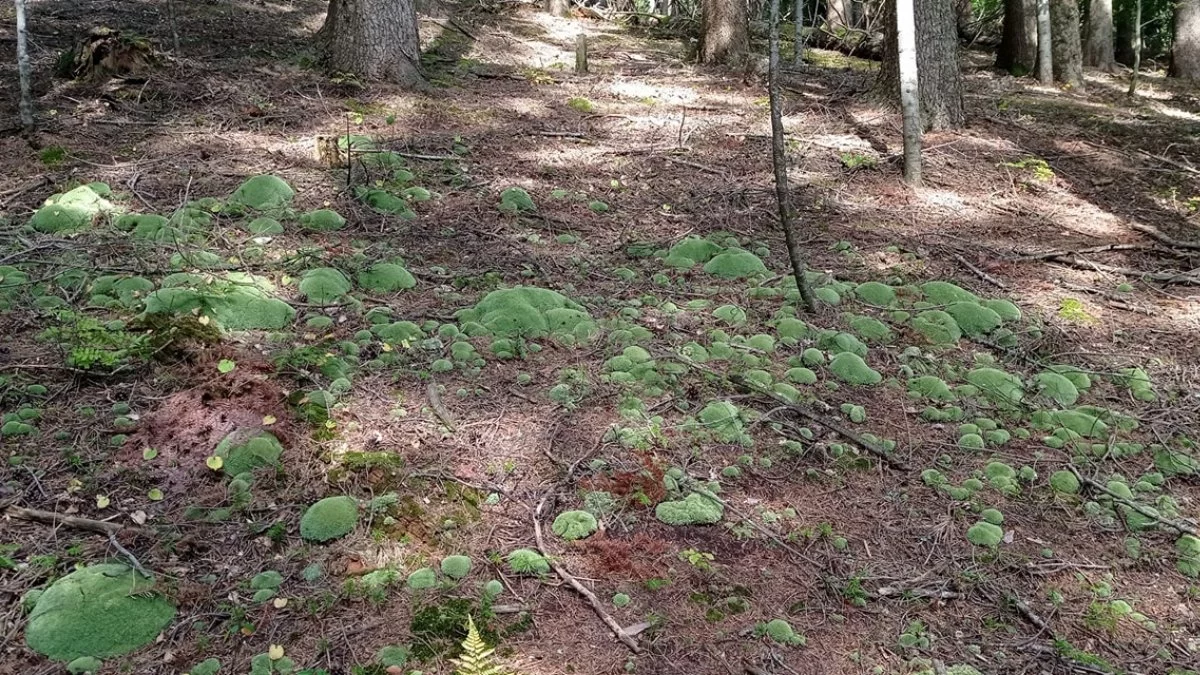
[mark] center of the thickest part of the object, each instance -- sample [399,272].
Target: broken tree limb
[1161,237]
[1185,278]
[1181,526]
[51,518]
[538,513]
[1046,255]
[796,408]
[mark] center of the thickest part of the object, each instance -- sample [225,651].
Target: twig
[798,409]
[895,592]
[1181,526]
[51,518]
[538,514]
[1159,236]
[435,402]
[980,273]
[1028,614]
[1046,255]
[1165,277]
[694,165]
[11,195]
[112,539]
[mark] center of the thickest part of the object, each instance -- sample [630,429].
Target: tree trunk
[910,104]
[24,73]
[724,34]
[375,39]
[1137,48]
[1068,52]
[837,15]
[941,88]
[1185,55]
[1098,49]
[1123,20]
[798,37]
[556,7]
[1018,46]
[1045,43]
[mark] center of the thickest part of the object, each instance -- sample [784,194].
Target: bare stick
[779,160]
[112,539]
[597,606]
[1157,235]
[1184,278]
[51,518]
[435,403]
[1181,526]
[980,273]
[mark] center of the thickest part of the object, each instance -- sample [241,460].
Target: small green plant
[580,104]
[1038,167]
[1073,310]
[53,155]
[476,658]
[90,344]
[701,560]
[855,161]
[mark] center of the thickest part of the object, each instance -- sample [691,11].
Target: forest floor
[1031,479]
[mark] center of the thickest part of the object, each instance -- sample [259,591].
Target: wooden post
[581,60]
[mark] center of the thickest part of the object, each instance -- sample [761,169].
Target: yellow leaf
[275,652]
[387,347]
[268,420]
[203,320]
[74,485]
[280,603]
[102,501]
[214,462]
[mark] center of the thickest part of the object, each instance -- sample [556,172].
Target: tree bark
[910,104]
[1137,48]
[1098,48]
[798,36]
[1185,55]
[837,15]
[941,88]
[374,39]
[1045,43]
[556,7]
[1017,53]
[1068,50]
[24,71]
[725,34]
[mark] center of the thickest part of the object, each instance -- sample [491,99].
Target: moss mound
[73,210]
[851,369]
[973,318]
[330,518]
[529,312]
[690,251]
[1057,388]
[998,386]
[572,525]
[322,220]
[384,201]
[456,566]
[244,456]
[324,285]
[237,301]
[263,193]
[932,388]
[99,611]
[695,509]
[1007,310]
[386,278]
[937,327]
[875,293]
[869,328]
[945,293]
[735,263]
[264,226]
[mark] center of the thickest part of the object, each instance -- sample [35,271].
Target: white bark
[910,103]
[1137,47]
[1045,66]
[798,38]
[24,71]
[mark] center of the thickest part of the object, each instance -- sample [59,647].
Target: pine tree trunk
[1045,43]
[1017,53]
[725,35]
[1098,48]
[941,87]
[1185,55]
[837,15]
[1068,52]
[798,36]
[24,72]
[375,39]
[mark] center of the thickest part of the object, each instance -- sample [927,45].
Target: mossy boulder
[263,193]
[694,509]
[723,421]
[985,534]
[385,201]
[735,263]
[322,220]
[73,210]
[422,579]
[1064,482]
[99,611]
[237,301]
[529,312]
[937,327]
[1137,381]
[241,455]
[386,278]
[869,328]
[851,369]
[572,525]
[516,200]
[324,285]
[329,519]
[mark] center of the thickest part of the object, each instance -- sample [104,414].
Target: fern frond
[476,658]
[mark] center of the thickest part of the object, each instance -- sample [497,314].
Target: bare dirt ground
[1081,208]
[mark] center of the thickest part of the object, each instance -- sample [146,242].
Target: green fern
[476,657]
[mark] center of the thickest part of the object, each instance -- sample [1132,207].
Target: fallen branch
[1181,526]
[1185,278]
[980,273]
[1046,255]
[1161,237]
[797,409]
[896,592]
[597,606]
[51,518]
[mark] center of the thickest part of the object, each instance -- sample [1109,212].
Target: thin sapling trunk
[779,159]
[24,71]
[910,101]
